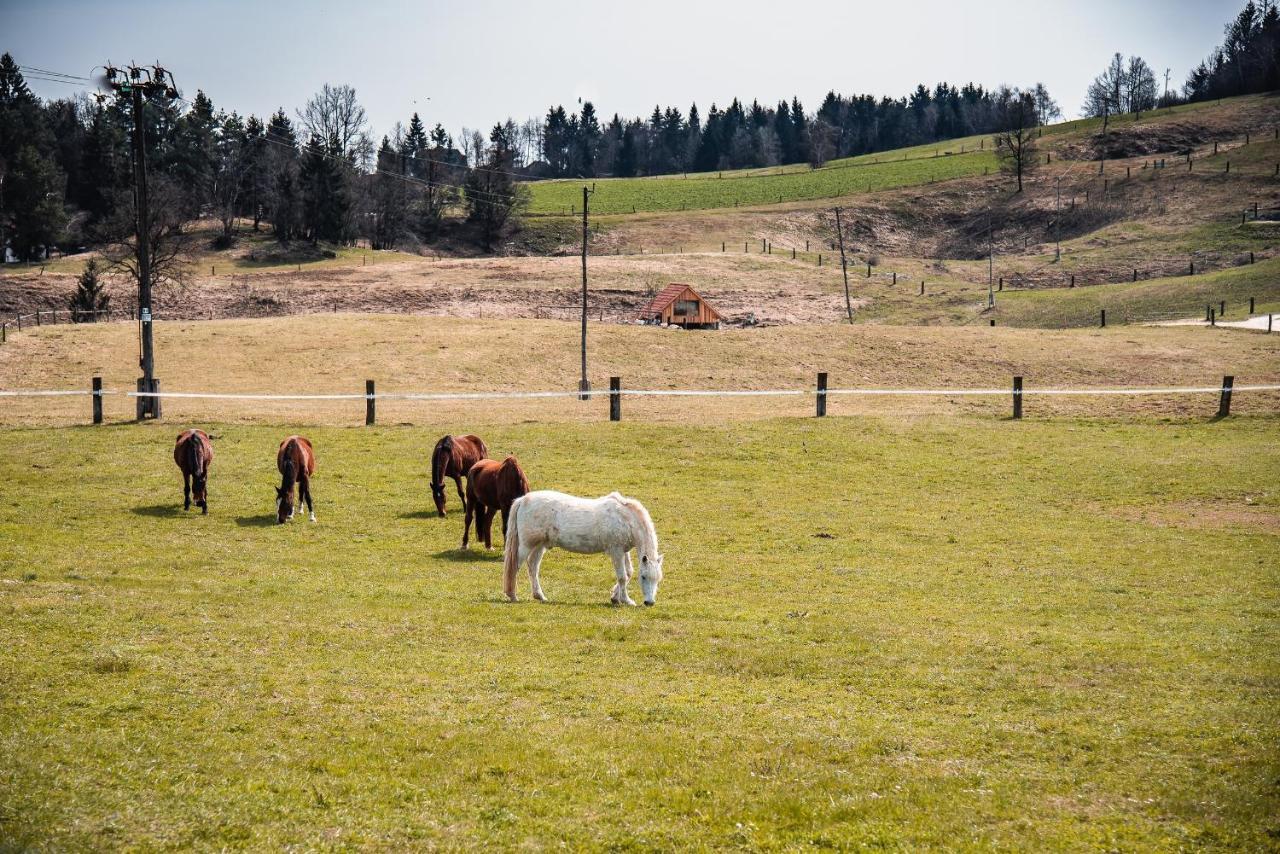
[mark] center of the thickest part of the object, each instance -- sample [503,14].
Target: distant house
[680,305]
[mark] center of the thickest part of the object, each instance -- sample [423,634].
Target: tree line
[66,173]
[1246,63]
[576,145]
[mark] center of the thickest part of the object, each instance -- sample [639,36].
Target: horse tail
[511,551]
[195,454]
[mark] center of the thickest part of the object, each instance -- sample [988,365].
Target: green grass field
[902,633]
[887,170]
[1154,299]
[840,178]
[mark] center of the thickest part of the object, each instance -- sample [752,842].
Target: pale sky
[474,62]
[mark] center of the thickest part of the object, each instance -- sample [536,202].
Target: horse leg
[535,566]
[186,491]
[622,572]
[469,511]
[486,523]
[305,486]
[457,481]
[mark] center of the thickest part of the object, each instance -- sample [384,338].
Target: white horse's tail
[511,550]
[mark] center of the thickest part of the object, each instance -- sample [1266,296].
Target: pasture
[938,632]
[871,173]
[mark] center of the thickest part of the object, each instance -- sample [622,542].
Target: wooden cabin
[681,305]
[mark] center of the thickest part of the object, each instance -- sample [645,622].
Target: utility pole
[1057,221]
[584,385]
[844,267]
[136,82]
[991,266]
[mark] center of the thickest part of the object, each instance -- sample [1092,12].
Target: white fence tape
[604,393]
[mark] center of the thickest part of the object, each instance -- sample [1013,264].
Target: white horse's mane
[649,547]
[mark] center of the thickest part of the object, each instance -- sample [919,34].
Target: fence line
[515,395]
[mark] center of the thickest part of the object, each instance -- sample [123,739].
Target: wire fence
[821,393]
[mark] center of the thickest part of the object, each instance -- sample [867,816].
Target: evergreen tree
[283,199]
[90,296]
[325,191]
[625,164]
[32,204]
[194,157]
[494,199]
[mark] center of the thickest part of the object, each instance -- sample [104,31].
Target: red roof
[666,297]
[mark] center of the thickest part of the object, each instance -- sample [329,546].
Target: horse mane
[512,477]
[444,448]
[642,519]
[195,454]
[288,470]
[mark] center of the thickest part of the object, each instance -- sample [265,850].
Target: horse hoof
[313,517]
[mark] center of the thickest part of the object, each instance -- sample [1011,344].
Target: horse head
[199,487]
[284,504]
[650,577]
[437,492]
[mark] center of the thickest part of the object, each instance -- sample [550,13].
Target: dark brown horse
[453,457]
[297,463]
[193,453]
[492,486]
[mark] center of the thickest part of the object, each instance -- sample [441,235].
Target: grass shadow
[162,511]
[474,555]
[420,514]
[255,521]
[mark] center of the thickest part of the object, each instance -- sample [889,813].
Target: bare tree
[1105,96]
[169,244]
[1139,86]
[1047,109]
[1016,144]
[334,114]
[822,142]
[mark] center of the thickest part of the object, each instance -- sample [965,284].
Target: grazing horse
[453,457]
[492,486]
[193,453]
[613,525]
[297,462]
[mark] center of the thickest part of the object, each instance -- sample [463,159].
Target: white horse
[613,525]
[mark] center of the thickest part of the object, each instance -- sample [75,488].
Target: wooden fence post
[1104,318]
[370,403]
[615,398]
[1224,402]
[97,400]
[1213,318]
[4,328]
[822,394]
[1250,305]
[922,287]
[1222,308]
[1017,397]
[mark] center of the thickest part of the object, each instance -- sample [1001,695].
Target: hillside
[775,262]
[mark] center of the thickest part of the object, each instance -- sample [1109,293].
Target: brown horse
[453,457]
[193,453]
[297,463]
[492,486]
